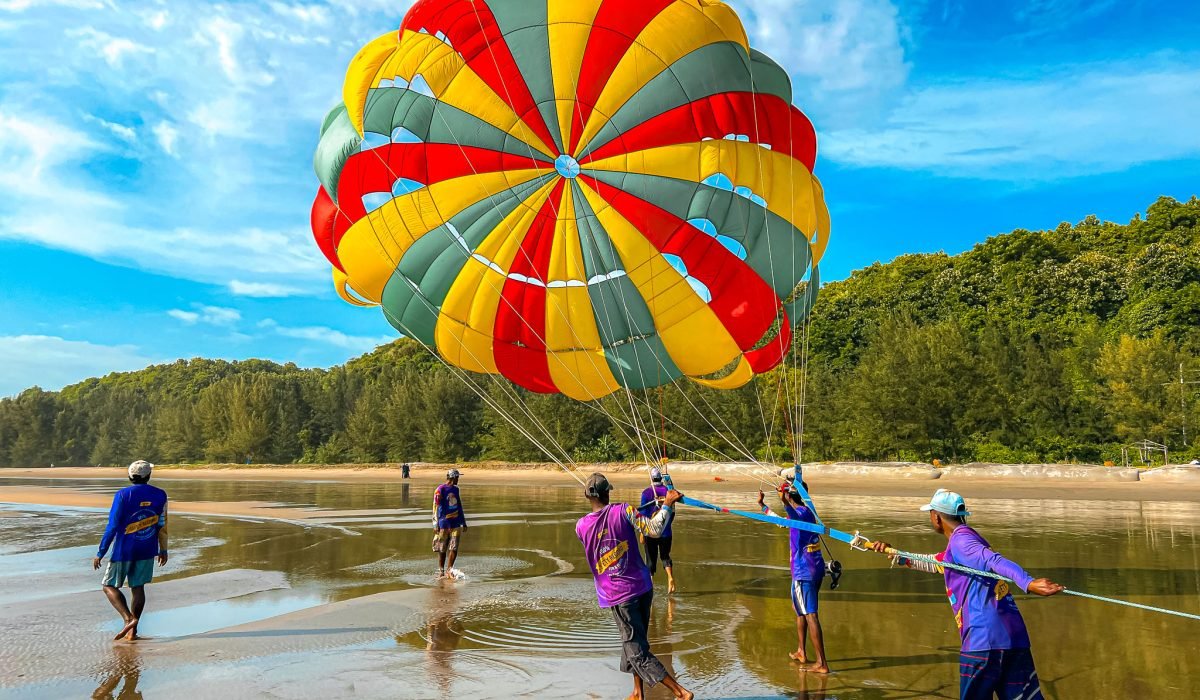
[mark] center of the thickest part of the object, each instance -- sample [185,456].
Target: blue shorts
[137,573]
[804,595]
[1007,674]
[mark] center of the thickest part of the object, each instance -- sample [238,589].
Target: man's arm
[110,530]
[974,553]
[162,538]
[437,495]
[922,564]
[654,526]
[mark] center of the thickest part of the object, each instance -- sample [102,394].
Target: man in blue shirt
[137,534]
[808,572]
[448,523]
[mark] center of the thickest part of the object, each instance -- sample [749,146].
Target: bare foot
[798,656]
[819,668]
[130,626]
[670,587]
[685,694]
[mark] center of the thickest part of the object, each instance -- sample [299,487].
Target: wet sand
[239,616]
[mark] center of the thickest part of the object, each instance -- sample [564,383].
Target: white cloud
[262,289]
[323,334]
[22,5]
[32,150]
[113,49]
[121,131]
[1080,120]
[52,362]
[211,315]
[845,57]
[166,135]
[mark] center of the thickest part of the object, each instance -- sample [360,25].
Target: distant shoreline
[1068,482]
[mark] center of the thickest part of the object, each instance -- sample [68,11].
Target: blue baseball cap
[947,502]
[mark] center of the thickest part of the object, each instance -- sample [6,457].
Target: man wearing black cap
[610,543]
[448,523]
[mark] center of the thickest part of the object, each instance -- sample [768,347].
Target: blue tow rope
[853,540]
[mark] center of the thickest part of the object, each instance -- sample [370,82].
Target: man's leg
[664,548]
[137,595]
[978,673]
[817,637]
[1018,678]
[798,605]
[633,619]
[117,600]
[452,556]
[439,546]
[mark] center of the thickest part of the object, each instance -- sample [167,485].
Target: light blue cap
[947,502]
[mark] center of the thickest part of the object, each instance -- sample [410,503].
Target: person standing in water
[448,522]
[808,572]
[610,543]
[137,534]
[995,660]
[658,547]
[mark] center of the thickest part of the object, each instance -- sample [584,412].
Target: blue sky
[155,157]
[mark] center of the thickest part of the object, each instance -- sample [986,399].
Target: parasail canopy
[578,195]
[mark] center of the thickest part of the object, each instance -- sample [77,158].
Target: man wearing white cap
[995,660]
[449,521]
[137,533]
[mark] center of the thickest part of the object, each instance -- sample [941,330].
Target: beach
[296,582]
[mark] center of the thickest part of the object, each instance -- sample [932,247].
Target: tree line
[1057,345]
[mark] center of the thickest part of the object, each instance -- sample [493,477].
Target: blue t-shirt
[138,512]
[807,562]
[449,507]
[649,507]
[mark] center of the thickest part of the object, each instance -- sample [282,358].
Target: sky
[156,157]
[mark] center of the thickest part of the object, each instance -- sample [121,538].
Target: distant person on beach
[404,470]
[610,543]
[808,573]
[137,533]
[658,547]
[448,522]
[995,659]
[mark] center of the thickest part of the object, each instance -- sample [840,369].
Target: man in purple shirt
[449,522]
[995,660]
[658,547]
[610,543]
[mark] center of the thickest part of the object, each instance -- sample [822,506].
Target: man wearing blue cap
[995,660]
[658,547]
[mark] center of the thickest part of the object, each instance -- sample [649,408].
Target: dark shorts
[804,595]
[1007,674]
[658,548]
[633,619]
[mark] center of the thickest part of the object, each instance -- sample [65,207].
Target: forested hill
[1033,346]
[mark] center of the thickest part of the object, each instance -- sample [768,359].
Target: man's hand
[761,498]
[1044,586]
[672,498]
[162,558]
[95,563]
[881,546]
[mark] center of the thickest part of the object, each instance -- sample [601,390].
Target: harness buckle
[859,542]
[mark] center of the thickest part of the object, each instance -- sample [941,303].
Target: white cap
[140,469]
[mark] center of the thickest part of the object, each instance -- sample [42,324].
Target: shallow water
[526,622]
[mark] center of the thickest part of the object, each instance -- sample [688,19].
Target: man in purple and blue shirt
[995,660]
[610,543]
[808,572]
[656,547]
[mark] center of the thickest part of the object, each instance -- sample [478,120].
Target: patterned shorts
[446,539]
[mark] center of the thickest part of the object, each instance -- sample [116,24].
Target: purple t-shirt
[610,544]
[447,505]
[984,609]
[652,493]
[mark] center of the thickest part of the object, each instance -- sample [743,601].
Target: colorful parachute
[579,195]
